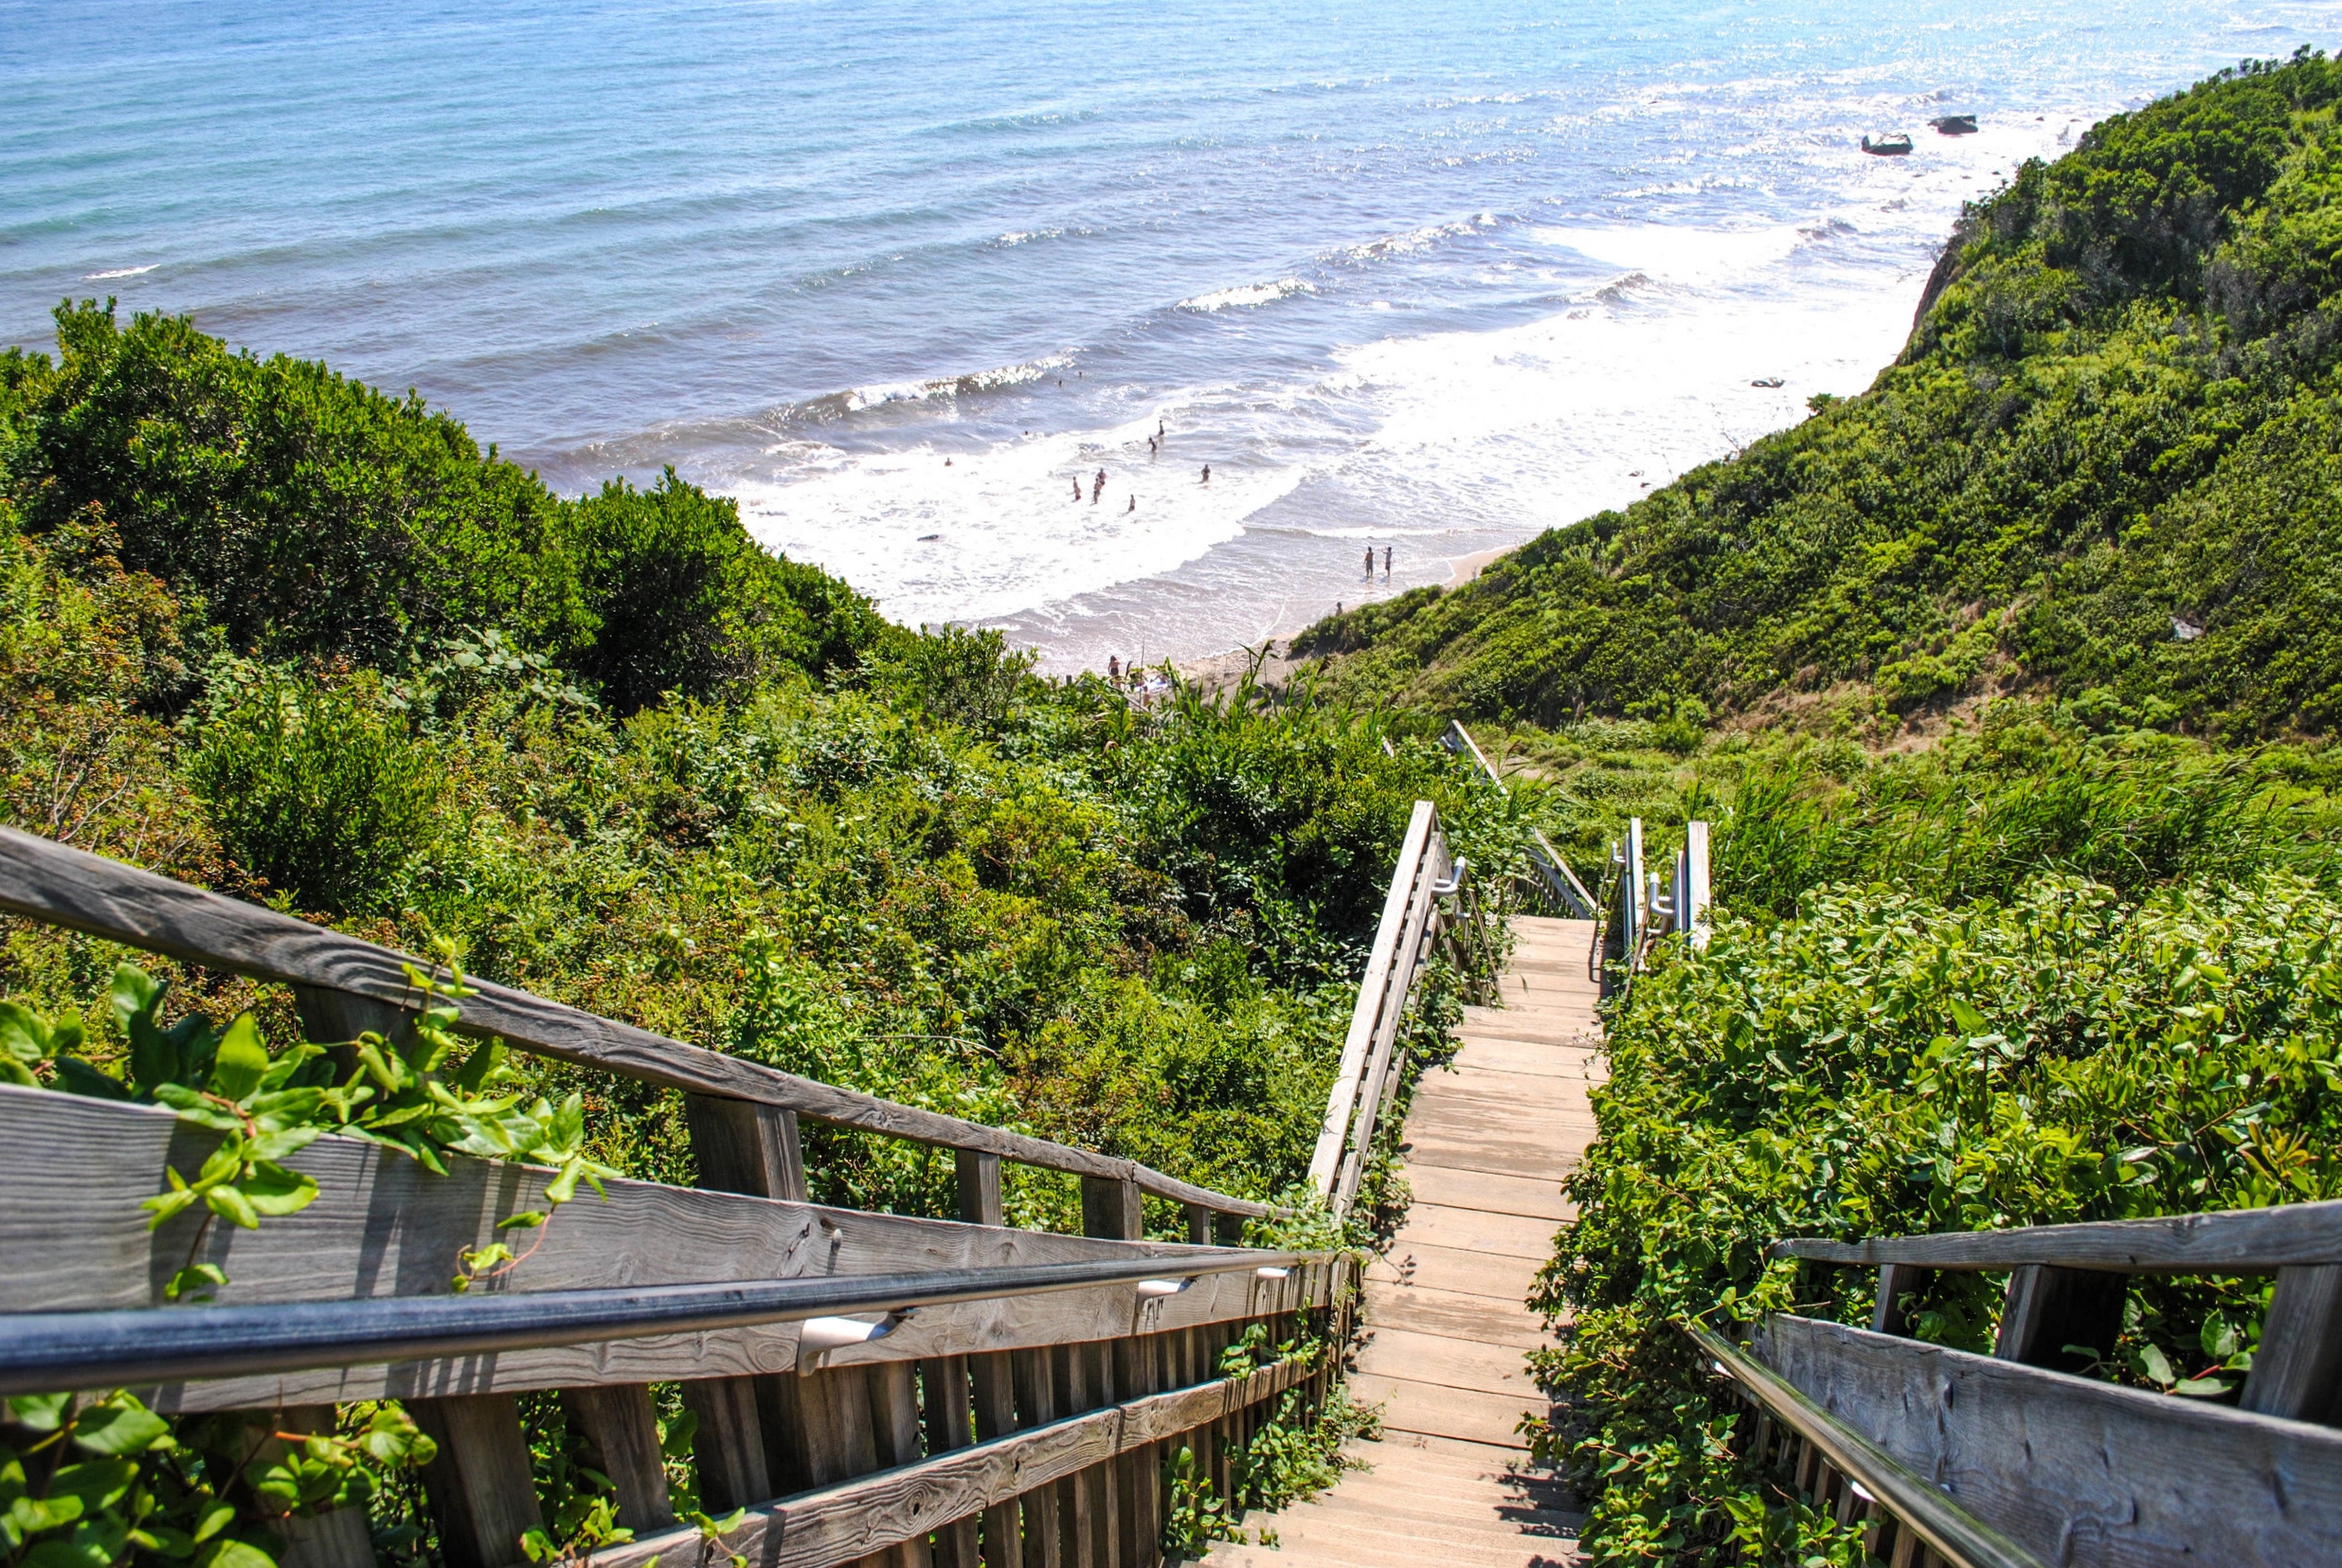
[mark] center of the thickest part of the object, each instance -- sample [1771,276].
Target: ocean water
[899,275]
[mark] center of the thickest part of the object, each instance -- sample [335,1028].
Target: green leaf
[126,1427]
[76,1076]
[40,1412]
[239,1064]
[271,1189]
[231,1205]
[215,1519]
[2202,1388]
[85,1548]
[99,1483]
[1969,1020]
[196,1282]
[23,1036]
[231,1553]
[526,1219]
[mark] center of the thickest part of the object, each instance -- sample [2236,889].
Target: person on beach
[1077,486]
[1133,507]
[1370,563]
[1207,473]
[1161,429]
[1113,669]
[1097,487]
[1386,563]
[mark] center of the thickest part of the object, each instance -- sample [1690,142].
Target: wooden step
[1477,1231]
[1505,1279]
[1443,1412]
[1492,1320]
[1496,1053]
[1416,1357]
[1445,1188]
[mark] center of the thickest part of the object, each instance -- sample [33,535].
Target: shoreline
[1222,671]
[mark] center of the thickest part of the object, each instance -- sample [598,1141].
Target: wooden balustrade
[2057,1467]
[1012,1429]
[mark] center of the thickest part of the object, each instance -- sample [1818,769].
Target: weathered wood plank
[950,1425]
[481,1494]
[621,1441]
[2297,1371]
[87,892]
[2077,1472]
[871,1513]
[2047,1309]
[2231,1241]
[1341,1100]
[382,1225]
[729,1450]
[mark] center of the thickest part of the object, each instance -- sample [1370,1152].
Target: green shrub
[318,793]
[1886,1066]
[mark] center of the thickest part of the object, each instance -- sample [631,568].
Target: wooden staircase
[1488,1140]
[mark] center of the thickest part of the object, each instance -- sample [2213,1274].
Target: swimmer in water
[1207,473]
[1370,563]
[1132,507]
[1097,487]
[1077,486]
[1386,563]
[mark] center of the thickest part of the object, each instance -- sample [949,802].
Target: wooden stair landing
[1489,1142]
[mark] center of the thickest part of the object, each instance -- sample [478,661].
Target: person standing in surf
[1113,669]
[1370,563]
[1386,562]
[1077,486]
[1207,473]
[1097,487]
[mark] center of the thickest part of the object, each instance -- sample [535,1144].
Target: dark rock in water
[1955,125]
[1766,380]
[926,537]
[1894,146]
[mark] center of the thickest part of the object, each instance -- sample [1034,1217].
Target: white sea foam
[119,272]
[1248,293]
[1011,534]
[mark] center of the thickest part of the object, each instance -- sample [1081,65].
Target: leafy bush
[318,793]
[684,601]
[1888,1066]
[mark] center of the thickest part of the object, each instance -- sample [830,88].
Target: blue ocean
[907,278]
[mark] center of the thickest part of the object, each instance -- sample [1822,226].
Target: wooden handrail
[1373,991]
[1962,1539]
[2233,1242]
[51,882]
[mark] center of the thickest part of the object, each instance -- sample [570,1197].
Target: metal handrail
[1957,1536]
[52,1352]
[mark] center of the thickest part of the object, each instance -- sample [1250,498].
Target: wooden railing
[2014,1458]
[1556,883]
[1642,909]
[872,1388]
[1432,902]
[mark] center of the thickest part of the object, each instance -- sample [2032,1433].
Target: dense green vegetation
[2070,956]
[2106,466]
[268,630]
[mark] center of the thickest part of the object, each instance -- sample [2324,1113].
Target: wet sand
[1221,670]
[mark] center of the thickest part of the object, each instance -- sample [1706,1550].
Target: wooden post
[1081,1519]
[1138,1477]
[743,1147]
[950,1425]
[996,1416]
[1895,1280]
[2297,1371]
[1199,1225]
[481,1492]
[728,1449]
[622,1440]
[2048,1309]
[977,1176]
[1697,893]
[895,1419]
[1111,1208]
[1036,1406]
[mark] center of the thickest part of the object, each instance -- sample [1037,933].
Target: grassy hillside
[2108,467]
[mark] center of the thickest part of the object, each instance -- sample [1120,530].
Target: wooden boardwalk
[1489,1142]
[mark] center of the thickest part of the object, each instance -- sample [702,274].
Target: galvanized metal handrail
[1956,1536]
[50,1352]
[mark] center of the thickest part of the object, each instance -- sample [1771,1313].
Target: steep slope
[2108,462]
